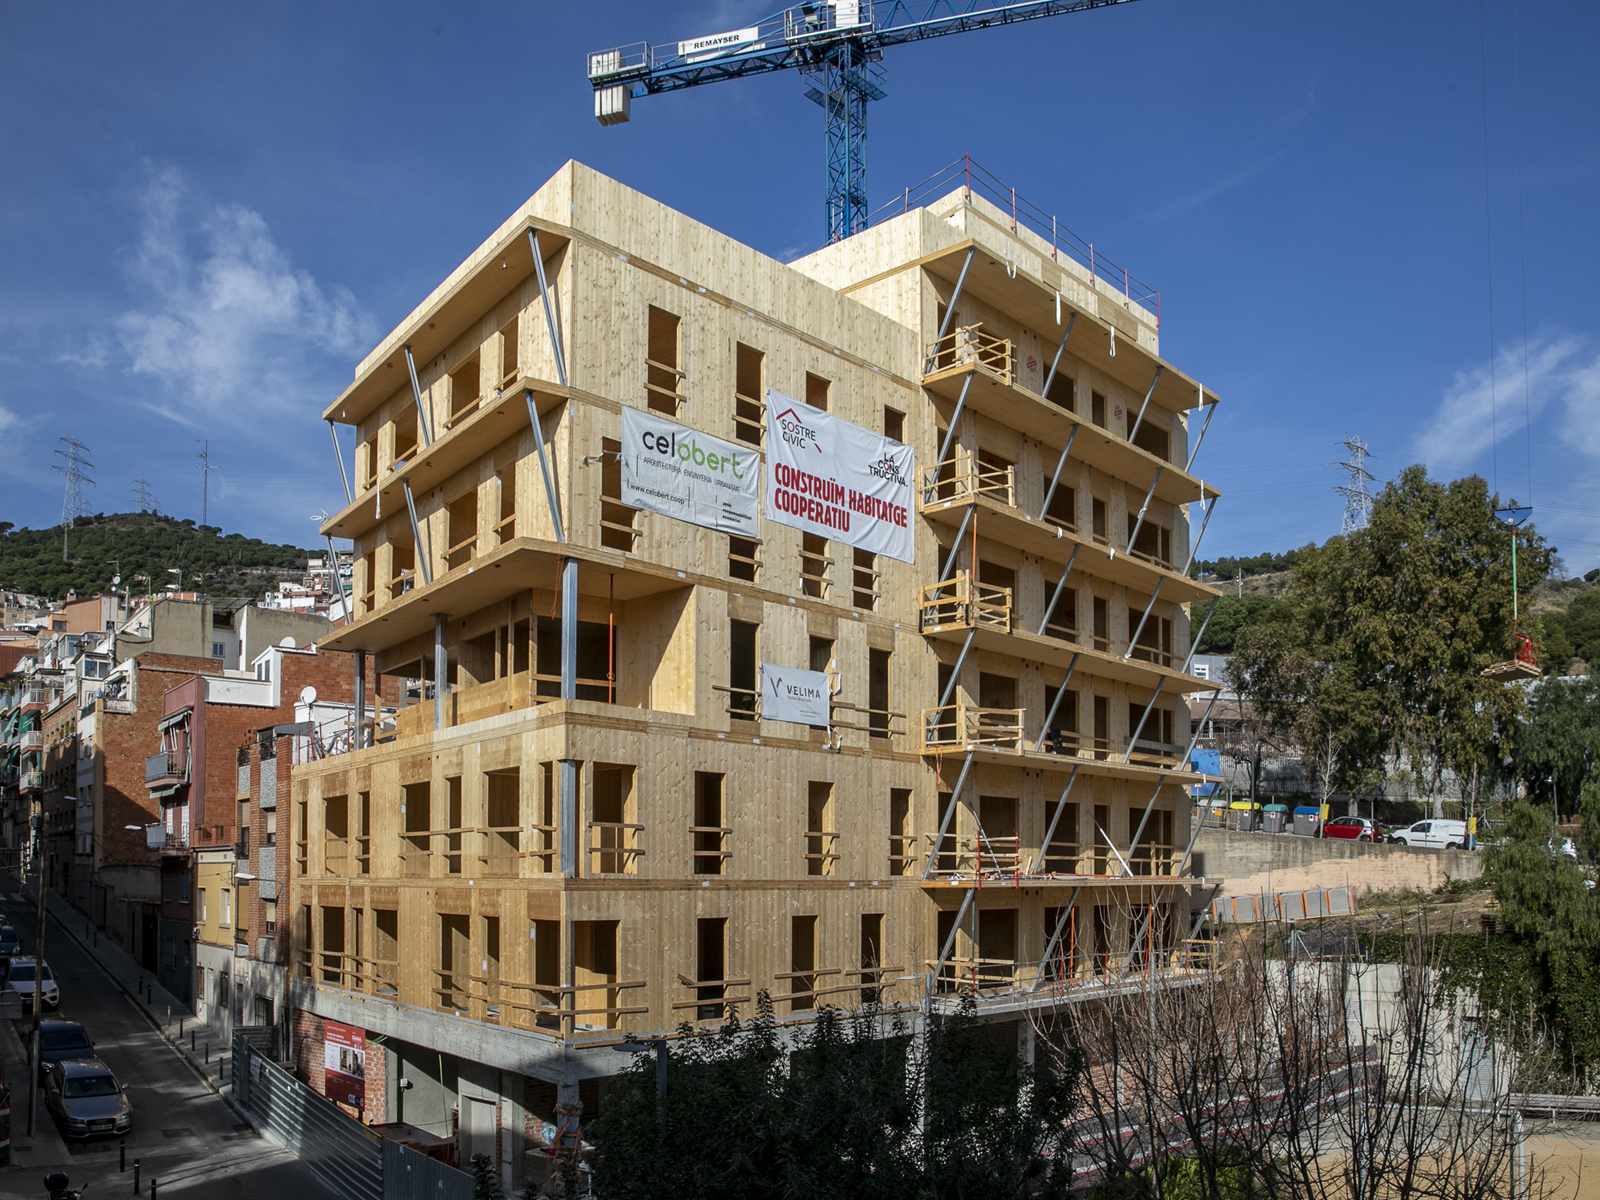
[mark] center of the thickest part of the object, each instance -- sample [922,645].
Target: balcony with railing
[967,727]
[165,768]
[960,603]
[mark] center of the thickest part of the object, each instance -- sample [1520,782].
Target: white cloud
[1472,417]
[229,329]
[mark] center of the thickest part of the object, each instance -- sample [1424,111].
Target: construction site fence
[341,1151]
[1284,906]
[977,180]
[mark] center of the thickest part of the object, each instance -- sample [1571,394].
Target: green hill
[143,544]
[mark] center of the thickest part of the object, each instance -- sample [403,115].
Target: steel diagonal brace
[1056,361]
[1195,548]
[1204,425]
[928,493]
[1143,717]
[423,556]
[556,347]
[1055,938]
[1138,834]
[955,927]
[1060,583]
[416,394]
[349,496]
[949,812]
[1061,805]
[1143,509]
[544,468]
[1139,420]
[955,547]
[950,312]
[1050,491]
[1194,643]
[1051,715]
[1133,642]
[955,672]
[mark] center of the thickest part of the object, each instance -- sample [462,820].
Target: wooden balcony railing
[711,996]
[959,726]
[971,346]
[959,603]
[710,847]
[972,854]
[820,854]
[966,477]
[461,553]
[749,419]
[1154,754]
[1076,745]
[614,847]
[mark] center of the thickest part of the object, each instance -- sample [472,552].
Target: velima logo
[796,432]
[794,691]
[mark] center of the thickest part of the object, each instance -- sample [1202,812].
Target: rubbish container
[1273,819]
[1305,822]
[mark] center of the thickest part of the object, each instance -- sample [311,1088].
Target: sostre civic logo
[796,432]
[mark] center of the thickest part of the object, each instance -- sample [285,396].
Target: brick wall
[306,1033]
[377,1083]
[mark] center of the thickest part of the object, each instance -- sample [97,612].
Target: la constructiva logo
[886,468]
[796,432]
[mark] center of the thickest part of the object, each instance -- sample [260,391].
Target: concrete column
[441,671]
[569,629]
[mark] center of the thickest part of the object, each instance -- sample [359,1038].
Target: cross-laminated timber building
[590,830]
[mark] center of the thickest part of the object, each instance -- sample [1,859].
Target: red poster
[345,1064]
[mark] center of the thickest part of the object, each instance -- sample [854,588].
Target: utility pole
[144,496]
[205,468]
[1357,496]
[74,466]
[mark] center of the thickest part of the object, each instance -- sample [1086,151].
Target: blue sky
[208,213]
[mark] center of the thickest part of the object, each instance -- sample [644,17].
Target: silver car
[86,1099]
[24,976]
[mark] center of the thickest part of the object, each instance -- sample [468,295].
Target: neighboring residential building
[598,827]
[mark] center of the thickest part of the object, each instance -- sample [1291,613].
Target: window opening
[817,389]
[466,391]
[617,530]
[743,686]
[710,834]
[749,403]
[663,379]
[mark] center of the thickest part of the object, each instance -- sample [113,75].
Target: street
[183,1134]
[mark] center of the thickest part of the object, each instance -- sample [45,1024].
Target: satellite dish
[287,643]
[308,695]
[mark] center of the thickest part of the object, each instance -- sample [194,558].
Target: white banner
[790,694]
[838,480]
[679,472]
[717,43]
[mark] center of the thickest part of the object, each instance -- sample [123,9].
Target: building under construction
[592,824]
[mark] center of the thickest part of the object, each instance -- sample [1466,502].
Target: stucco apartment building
[597,827]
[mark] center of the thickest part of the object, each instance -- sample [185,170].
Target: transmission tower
[142,493]
[205,468]
[74,465]
[1357,495]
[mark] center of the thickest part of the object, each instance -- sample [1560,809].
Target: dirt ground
[1569,1158]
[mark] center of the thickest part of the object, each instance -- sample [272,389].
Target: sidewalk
[45,1149]
[165,1012]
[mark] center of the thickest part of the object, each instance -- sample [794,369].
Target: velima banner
[838,480]
[680,472]
[790,694]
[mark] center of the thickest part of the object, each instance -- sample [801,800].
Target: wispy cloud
[1480,406]
[228,328]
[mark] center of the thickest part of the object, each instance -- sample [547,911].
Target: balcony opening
[1062,619]
[1155,743]
[615,828]
[997,947]
[814,566]
[1155,439]
[996,477]
[1063,507]
[1062,736]
[336,835]
[1100,527]
[466,391]
[367,462]
[711,966]
[489,965]
[506,527]
[744,558]
[455,962]
[544,955]
[872,959]
[710,834]
[598,675]
[367,585]
[996,691]
[364,833]
[749,395]
[617,530]
[821,838]
[948,978]
[462,533]
[894,424]
[502,852]
[1102,939]
[1153,854]
[902,841]
[385,967]
[1102,624]
[817,391]
[997,847]
[510,352]
[1102,840]
[452,834]
[946,858]
[1063,962]
[1061,855]
[743,686]
[1102,727]
[405,433]
[1097,410]
[864,580]
[1155,640]
[945,351]
[331,967]
[402,569]
[878,690]
[1061,393]
[416,819]
[544,829]
[802,963]
[595,974]
[663,379]
[1153,542]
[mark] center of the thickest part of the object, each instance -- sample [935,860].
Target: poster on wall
[344,1064]
[836,480]
[789,694]
[680,472]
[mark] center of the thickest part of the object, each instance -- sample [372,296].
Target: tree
[1557,746]
[1233,615]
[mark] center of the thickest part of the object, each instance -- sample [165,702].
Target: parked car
[23,975]
[61,1040]
[8,941]
[1356,829]
[1445,834]
[85,1099]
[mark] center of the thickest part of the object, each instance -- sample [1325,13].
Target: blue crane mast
[840,42]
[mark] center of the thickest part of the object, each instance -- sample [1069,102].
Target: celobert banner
[679,472]
[838,480]
[789,694]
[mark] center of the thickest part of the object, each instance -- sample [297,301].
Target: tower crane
[839,42]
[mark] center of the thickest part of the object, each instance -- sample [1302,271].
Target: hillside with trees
[145,549]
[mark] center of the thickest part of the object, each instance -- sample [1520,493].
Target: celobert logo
[689,453]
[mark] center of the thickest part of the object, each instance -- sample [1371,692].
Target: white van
[1443,834]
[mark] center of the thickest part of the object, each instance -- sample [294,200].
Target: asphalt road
[184,1135]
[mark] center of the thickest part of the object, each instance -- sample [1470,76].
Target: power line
[1357,496]
[75,465]
[143,495]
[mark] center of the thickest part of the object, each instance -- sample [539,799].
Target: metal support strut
[333,570]
[1204,425]
[424,563]
[349,496]
[1055,938]
[441,671]
[955,927]
[1061,805]
[950,311]
[1194,644]
[1139,420]
[1054,705]
[549,309]
[416,394]
[949,812]
[1143,617]
[1194,549]
[1050,492]
[1143,509]
[1056,361]
[955,546]
[1056,595]
[929,492]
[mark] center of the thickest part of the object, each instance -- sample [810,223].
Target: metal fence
[340,1150]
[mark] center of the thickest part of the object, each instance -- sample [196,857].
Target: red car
[1357,829]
